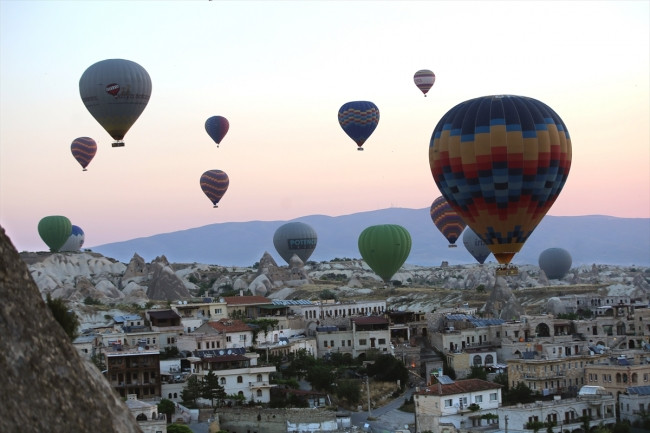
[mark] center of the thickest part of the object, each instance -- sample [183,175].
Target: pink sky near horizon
[279,72]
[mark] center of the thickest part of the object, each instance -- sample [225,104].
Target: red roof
[461,387]
[246,300]
[230,325]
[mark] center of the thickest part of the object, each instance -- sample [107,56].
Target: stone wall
[46,385]
[258,420]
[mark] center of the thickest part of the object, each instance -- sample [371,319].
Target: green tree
[178,428]
[477,372]
[66,317]
[99,362]
[387,368]
[350,390]
[586,421]
[519,393]
[210,388]
[191,392]
[320,377]
[167,407]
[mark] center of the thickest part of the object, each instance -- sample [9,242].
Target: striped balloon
[83,149]
[445,218]
[217,128]
[424,79]
[359,120]
[214,184]
[501,162]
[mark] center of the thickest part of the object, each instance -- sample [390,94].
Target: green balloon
[55,231]
[385,248]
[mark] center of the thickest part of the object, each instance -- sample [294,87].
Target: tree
[210,388]
[535,426]
[178,428]
[477,372]
[387,368]
[66,317]
[167,407]
[350,390]
[321,377]
[191,392]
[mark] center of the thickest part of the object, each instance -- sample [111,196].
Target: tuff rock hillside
[94,284]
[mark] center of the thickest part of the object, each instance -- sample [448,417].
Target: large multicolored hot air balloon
[75,240]
[385,248]
[424,79]
[214,184]
[475,245]
[217,128]
[295,238]
[501,162]
[55,231]
[446,219]
[83,149]
[555,262]
[116,92]
[359,120]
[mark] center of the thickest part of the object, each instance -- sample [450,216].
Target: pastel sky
[279,71]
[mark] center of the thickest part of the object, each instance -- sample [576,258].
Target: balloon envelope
[501,162]
[555,262]
[75,240]
[214,184]
[475,245]
[295,238]
[424,79]
[446,219]
[385,248]
[217,128]
[359,120]
[54,230]
[115,92]
[83,149]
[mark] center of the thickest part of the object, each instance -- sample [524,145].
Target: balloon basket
[360,149]
[453,246]
[506,270]
[118,144]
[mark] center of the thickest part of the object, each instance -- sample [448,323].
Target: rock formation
[46,386]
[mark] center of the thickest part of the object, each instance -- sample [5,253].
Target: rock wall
[46,386]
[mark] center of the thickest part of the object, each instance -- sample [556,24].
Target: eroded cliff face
[46,386]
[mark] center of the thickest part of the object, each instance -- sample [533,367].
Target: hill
[589,239]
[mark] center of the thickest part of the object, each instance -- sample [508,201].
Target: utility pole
[368,392]
[506,420]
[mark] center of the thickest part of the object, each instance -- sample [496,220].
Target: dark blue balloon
[359,120]
[217,128]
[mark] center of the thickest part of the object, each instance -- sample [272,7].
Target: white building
[146,414]
[634,403]
[449,405]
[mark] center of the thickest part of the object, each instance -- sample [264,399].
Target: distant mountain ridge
[589,239]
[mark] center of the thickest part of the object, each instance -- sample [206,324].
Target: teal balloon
[55,231]
[385,248]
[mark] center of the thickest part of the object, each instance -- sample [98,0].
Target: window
[362,342]
[259,377]
[242,337]
[478,399]
[259,392]
[222,380]
[382,341]
[448,403]
[217,311]
[228,339]
[493,396]
[342,343]
[240,379]
[332,343]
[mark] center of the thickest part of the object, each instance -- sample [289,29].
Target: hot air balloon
[446,220]
[217,128]
[83,149]
[501,162]
[116,92]
[55,231]
[555,262]
[75,240]
[475,245]
[424,79]
[359,120]
[214,184]
[295,238]
[385,248]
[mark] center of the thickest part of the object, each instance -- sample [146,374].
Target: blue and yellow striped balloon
[214,184]
[83,149]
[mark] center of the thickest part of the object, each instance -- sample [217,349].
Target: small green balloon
[385,248]
[55,231]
